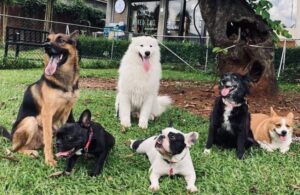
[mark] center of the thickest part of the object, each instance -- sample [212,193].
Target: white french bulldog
[169,154]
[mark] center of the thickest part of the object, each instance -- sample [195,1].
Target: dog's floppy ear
[272,112]
[191,138]
[85,118]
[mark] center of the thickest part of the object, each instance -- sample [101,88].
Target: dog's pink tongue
[60,154]
[146,64]
[51,66]
[282,138]
[225,91]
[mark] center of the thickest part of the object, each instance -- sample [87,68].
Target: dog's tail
[162,104]
[5,133]
[134,144]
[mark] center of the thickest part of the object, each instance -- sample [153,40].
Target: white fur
[226,116]
[276,143]
[182,165]
[138,89]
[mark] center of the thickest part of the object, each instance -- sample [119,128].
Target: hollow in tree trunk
[234,22]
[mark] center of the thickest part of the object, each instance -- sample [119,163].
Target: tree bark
[234,23]
[4,20]
[48,15]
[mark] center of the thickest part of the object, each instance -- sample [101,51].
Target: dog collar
[230,104]
[171,171]
[172,162]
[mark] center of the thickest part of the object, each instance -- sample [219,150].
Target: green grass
[167,74]
[124,173]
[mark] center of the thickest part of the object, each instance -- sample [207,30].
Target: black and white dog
[230,119]
[169,154]
[84,137]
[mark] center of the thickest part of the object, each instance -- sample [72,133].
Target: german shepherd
[48,102]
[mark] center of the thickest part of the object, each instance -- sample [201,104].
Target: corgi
[274,131]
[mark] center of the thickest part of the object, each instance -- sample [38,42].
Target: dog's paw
[154,187]
[284,150]
[152,117]
[240,156]
[192,189]
[126,124]
[269,149]
[93,174]
[30,153]
[51,162]
[206,151]
[143,124]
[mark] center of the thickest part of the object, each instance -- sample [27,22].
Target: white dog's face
[145,47]
[173,142]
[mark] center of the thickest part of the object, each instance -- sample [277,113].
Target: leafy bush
[19,63]
[76,10]
[191,52]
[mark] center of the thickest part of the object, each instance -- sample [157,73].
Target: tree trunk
[4,20]
[233,22]
[48,15]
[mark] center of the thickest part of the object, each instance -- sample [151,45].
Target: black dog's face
[70,138]
[73,136]
[234,86]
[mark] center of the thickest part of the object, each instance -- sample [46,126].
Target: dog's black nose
[147,53]
[284,132]
[47,45]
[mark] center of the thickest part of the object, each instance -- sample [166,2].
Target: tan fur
[54,106]
[262,124]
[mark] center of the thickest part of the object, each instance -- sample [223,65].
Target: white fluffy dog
[138,84]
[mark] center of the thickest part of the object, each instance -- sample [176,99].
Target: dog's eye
[172,137]
[61,40]
[288,126]
[278,125]
[142,45]
[67,137]
[150,45]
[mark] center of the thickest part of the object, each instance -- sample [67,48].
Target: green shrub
[99,63]
[19,63]
[191,52]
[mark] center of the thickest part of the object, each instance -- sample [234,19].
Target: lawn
[127,173]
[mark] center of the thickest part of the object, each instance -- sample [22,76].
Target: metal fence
[206,59]
[34,53]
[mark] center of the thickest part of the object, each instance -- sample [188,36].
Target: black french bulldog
[81,138]
[230,119]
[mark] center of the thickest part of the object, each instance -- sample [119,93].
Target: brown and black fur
[48,103]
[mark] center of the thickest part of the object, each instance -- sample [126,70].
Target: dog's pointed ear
[74,35]
[85,118]
[272,112]
[290,116]
[191,138]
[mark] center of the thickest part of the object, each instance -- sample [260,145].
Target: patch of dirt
[198,97]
